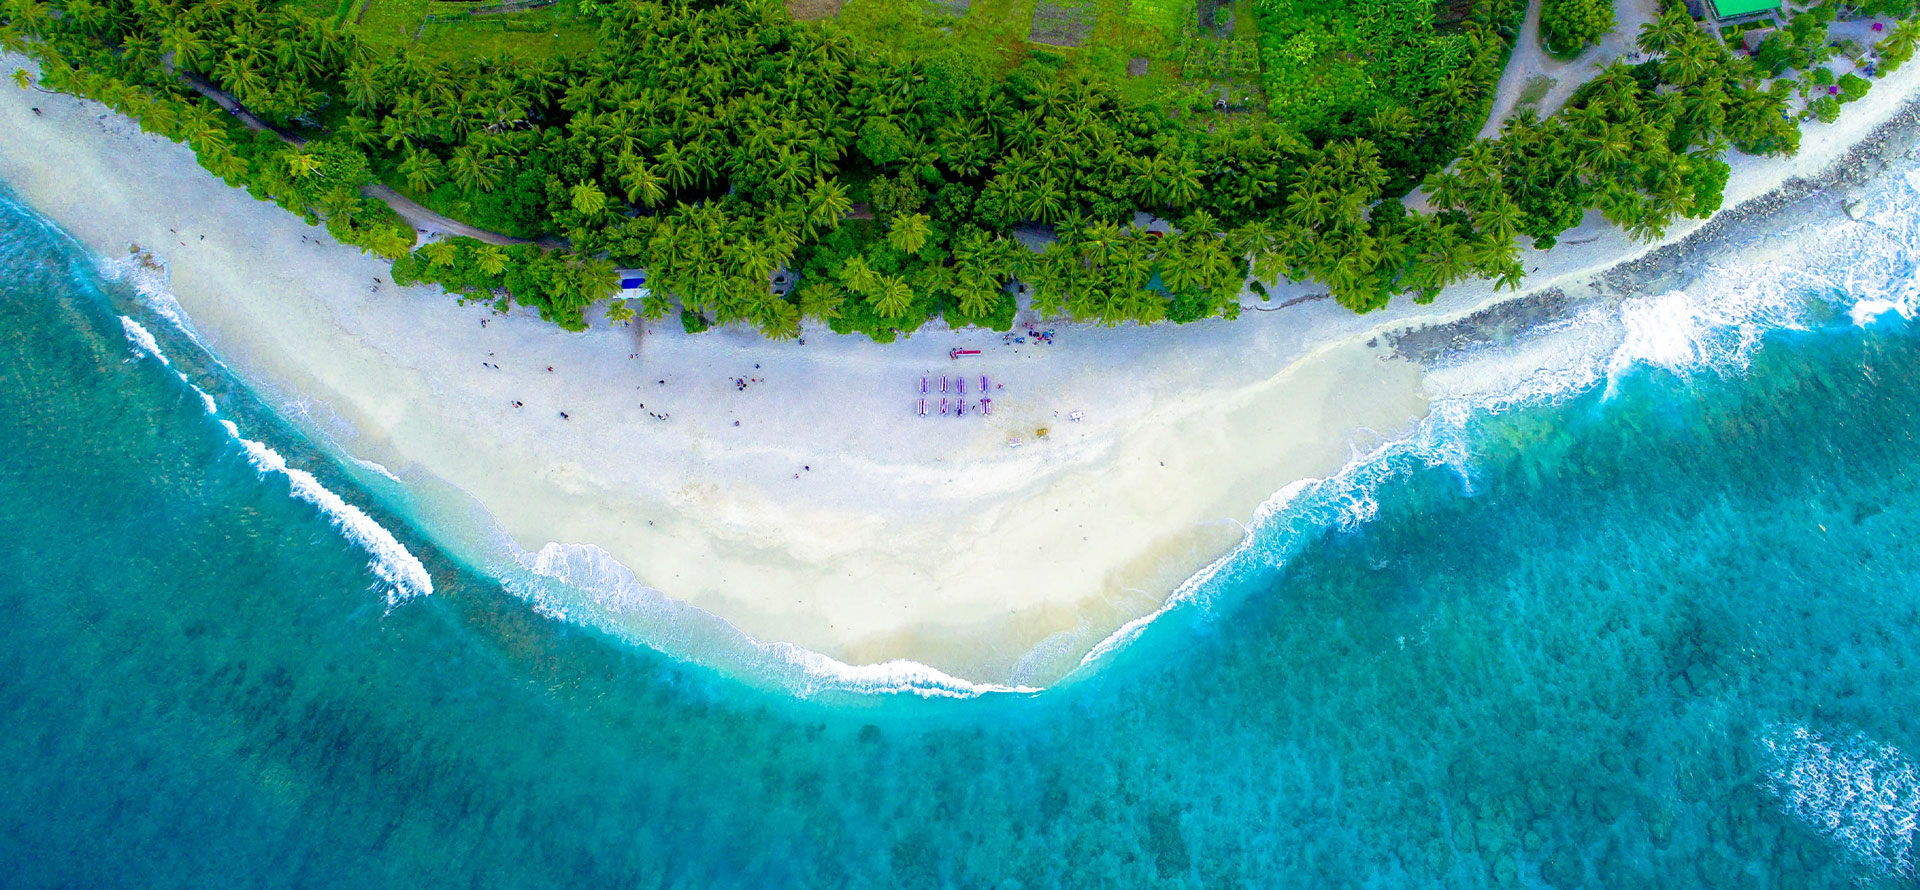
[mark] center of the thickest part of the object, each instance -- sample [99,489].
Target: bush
[1852,87]
[1568,26]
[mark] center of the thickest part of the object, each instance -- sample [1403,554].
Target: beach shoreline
[791,489]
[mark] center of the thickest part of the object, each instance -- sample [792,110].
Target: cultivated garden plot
[814,10]
[1170,16]
[1064,22]
[949,8]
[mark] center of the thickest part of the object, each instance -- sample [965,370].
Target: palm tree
[242,78]
[357,131]
[1044,201]
[1182,185]
[892,298]
[675,166]
[490,259]
[859,276]
[1448,256]
[826,203]
[422,170]
[777,319]
[821,299]
[301,163]
[1667,31]
[473,170]
[587,199]
[643,186]
[363,87]
[30,17]
[440,254]
[976,298]
[908,233]
[1899,44]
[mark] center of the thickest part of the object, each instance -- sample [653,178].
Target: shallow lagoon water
[1657,633]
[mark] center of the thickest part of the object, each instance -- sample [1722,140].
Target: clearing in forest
[452,30]
[1063,22]
[814,10]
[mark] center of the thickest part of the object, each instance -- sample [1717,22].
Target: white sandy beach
[814,507]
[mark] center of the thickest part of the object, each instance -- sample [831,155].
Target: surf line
[404,575]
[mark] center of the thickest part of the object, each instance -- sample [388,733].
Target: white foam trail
[1293,516]
[1862,794]
[1865,269]
[618,603]
[1714,325]
[147,274]
[406,577]
[142,340]
[376,467]
[1193,589]
[145,344]
[888,677]
[1867,312]
[206,401]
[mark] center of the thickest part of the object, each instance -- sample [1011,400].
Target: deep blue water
[1662,635]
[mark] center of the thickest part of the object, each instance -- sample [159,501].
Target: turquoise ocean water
[1656,631]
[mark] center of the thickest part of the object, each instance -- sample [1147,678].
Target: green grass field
[1105,39]
[559,29]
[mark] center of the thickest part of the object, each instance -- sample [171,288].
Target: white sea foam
[144,344]
[615,601]
[1713,325]
[206,401]
[375,467]
[405,576]
[897,676]
[146,273]
[1862,794]
[142,340]
[1864,269]
[1867,312]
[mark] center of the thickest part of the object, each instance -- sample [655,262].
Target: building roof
[1727,9]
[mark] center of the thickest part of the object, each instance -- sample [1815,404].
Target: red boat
[956,353]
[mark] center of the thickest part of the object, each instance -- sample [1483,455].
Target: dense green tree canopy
[716,144]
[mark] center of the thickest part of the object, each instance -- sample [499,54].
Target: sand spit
[792,488]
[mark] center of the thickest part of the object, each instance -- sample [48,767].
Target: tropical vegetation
[718,145]
[1569,26]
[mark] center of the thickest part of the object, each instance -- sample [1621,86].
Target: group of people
[1012,338]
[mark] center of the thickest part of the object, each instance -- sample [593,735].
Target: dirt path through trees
[1531,60]
[420,218]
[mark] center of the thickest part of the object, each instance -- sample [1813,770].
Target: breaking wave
[617,602]
[404,575]
[1861,794]
[1858,269]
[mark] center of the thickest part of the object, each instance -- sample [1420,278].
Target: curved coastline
[1015,608]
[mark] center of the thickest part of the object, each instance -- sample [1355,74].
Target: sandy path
[425,222]
[1530,59]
